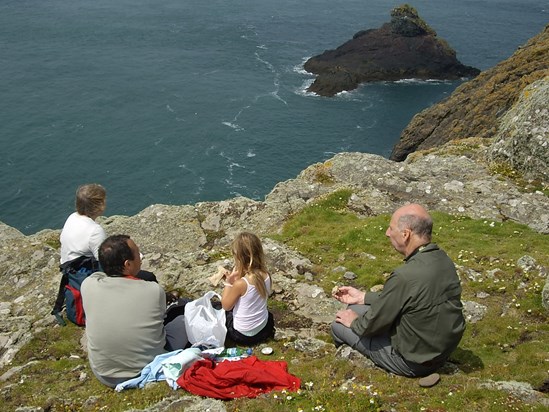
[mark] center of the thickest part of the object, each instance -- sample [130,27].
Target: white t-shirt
[80,236]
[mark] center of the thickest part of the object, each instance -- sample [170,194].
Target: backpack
[76,271]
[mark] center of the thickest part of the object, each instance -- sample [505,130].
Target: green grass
[510,343]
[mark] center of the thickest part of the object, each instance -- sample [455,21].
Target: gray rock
[527,263]
[521,390]
[309,345]
[523,138]
[8,232]
[545,295]
[473,312]
[186,403]
[346,352]
[349,275]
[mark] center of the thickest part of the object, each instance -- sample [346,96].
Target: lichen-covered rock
[521,390]
[523,137]
[545,294]
[8,232]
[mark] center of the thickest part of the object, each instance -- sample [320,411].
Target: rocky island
[405,48]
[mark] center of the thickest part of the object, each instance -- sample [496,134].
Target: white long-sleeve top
[81,236]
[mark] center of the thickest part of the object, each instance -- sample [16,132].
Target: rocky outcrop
[475,108]
[404,48]
[523,137]
[183,244]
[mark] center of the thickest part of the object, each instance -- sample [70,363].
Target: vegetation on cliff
[510,343]
[476,108]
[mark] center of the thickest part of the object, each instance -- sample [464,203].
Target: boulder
[523,137]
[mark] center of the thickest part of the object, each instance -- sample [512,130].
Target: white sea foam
[250,153]
[299,68]
[265,62]
[233,126]
[302,91]
[168,107]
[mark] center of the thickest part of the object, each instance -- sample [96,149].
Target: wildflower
[288,398]
[275,396]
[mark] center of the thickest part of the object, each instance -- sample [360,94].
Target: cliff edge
[476,108]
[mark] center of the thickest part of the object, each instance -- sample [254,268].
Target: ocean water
[176,102]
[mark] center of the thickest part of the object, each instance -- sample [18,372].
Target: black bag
[74,272]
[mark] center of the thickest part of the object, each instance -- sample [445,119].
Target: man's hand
[346,317]
[349,295]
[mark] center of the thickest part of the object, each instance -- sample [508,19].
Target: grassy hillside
[510,343]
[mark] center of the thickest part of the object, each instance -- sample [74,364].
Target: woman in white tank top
[246,291]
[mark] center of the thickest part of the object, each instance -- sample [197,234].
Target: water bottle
[237,352]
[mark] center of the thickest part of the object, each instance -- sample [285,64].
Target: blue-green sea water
[174,102]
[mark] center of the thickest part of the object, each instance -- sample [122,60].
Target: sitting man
[125,315]
[416,322]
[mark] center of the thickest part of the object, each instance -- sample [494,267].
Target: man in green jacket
[416,322]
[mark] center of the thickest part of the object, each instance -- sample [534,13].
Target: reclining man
[125,315]
[416,322]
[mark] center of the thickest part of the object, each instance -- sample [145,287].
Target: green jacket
[420,307]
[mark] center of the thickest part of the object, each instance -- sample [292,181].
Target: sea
[182,101]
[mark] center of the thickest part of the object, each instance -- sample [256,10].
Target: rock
[346,352]
[309,345]
[523,137]
[476,108]
[473,312]
[186,403]
[521,390]
[545,295]
[527,263]
[8,232]
[404,48]
[349,275]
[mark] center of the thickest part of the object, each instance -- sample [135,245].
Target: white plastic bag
[204,323]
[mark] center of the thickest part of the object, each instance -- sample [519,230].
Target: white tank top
[250,311]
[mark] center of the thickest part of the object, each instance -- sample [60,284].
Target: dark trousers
[264,334]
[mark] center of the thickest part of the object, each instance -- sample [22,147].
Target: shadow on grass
[466,360]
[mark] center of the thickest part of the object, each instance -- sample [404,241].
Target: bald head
[415,218]
[410,228]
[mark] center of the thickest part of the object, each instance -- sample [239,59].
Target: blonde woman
[245,293]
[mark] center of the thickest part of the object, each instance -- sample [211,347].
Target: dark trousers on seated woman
[264,334]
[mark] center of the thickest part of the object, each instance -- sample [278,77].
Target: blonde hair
[250,260]
[90,200]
